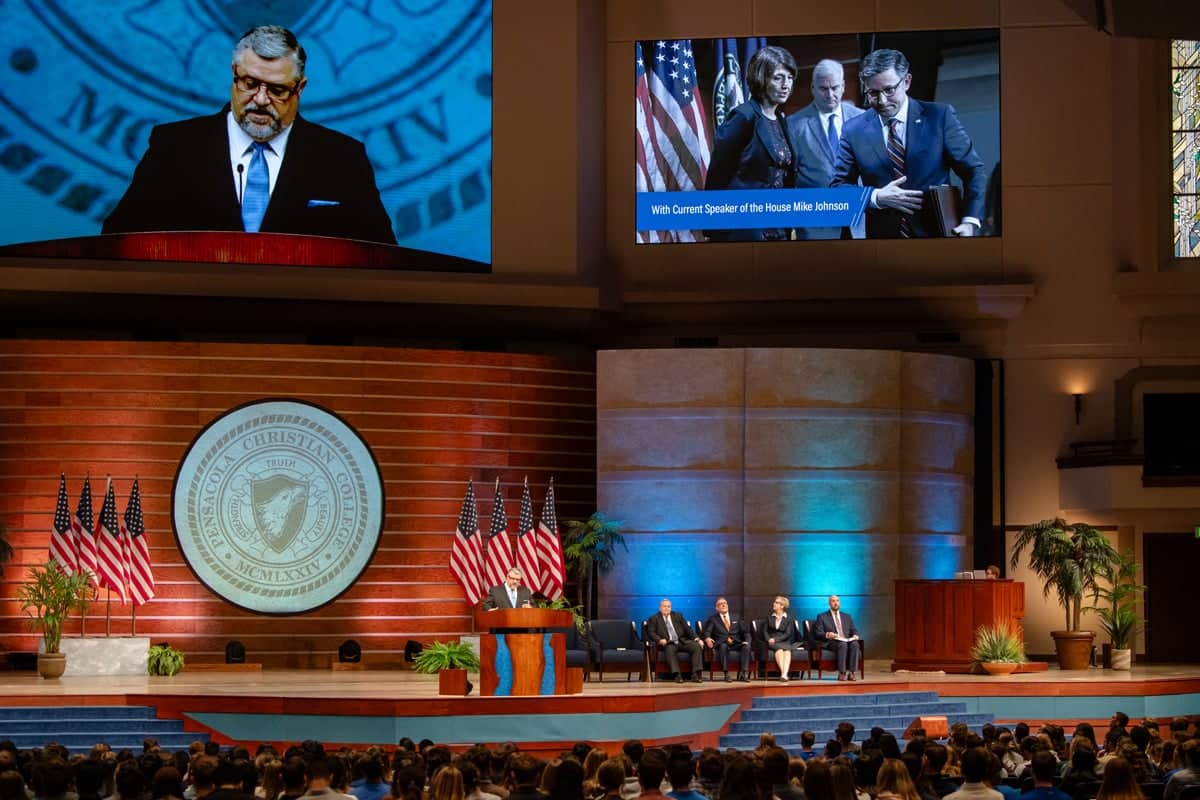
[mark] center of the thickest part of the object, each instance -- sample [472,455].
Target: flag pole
[133,621]
[108,613]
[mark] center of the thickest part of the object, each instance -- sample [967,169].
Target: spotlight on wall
[349,652]
[1078,405]
[235,652]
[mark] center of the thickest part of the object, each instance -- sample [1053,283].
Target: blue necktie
[258,189]
[833,136]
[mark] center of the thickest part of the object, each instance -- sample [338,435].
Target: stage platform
[380,706]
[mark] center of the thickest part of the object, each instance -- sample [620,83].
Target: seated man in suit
[256,165]
[724,633]
[510,594]
[672,633]
[835,631]
[903,146]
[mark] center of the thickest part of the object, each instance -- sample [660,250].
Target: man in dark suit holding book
[835,630]
[905,148]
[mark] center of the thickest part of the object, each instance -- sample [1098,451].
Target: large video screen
[130,116]
[852,136]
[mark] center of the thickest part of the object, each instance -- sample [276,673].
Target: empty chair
[616,647]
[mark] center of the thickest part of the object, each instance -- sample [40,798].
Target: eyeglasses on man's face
[251,86]
[887,91]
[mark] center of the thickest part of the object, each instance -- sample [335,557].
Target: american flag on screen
[114,573]
[81,528]
[466,554]
[528,557]
[554,573]
[499,549]
[62,541]
[137,549]
[672,138]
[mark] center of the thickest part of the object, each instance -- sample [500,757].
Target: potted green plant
[1070,559]
[998,648]
[1116,597]
[563,604]
[451,661]
[164,660]
[50,596]
[590,545]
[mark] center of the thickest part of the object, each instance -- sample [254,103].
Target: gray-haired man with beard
[257,165]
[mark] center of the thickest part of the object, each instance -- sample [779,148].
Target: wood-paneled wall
[432,419]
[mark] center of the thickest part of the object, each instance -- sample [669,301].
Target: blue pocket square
[323,203]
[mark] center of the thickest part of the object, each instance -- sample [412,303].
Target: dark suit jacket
[497,597]
[184,183]
[715,629]
[815,161]
[657,629]
[824,624]
[936,143]
[743,158]
[782,635]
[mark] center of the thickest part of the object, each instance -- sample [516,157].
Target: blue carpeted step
[42,727]
[895,724]
[60,712]
[848,713]
[790,740]
[842,701]
[80,727]
[83,740]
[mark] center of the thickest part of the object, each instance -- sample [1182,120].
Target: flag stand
[133,621]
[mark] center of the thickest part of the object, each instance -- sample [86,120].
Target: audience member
[818,780]
[745,779]
[680,772]
[447,784]
[710,771]
[1120,783]
[894,782]
[775,762]
[609,777]
[845,736]
[975,770]
[524,771]
[650,771]
[1045,772]
[1188,755]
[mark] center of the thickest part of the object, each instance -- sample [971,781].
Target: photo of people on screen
[802,124]
[257,165]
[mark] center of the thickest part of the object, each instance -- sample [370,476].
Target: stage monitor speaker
[934,727]
[349,652]
[235,652]
[411,649]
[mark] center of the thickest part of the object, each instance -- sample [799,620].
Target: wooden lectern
[521,654]
[936,620]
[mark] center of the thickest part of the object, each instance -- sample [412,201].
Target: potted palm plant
[1070,559]
[998,648]
[50,597]
[590,545]
[1118,594]
[451,661]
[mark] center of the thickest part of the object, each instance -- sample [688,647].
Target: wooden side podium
[520,654]
[936,620]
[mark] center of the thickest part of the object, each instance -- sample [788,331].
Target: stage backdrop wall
[802,472]
[432,419]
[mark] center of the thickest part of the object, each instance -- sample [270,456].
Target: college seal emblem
[278,506]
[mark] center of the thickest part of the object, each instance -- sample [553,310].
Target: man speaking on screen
[257,165]
[903,146]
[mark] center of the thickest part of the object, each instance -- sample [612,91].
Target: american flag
[672,139]
[466,554]
[499,549]
[554,574]
[528,558]
[114,572]
[137,549]
[62,542]
[81,529]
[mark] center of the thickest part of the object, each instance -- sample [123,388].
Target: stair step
[61,712]
[834,710]
[112,726]
[842,701]
[85,739]
[894,724]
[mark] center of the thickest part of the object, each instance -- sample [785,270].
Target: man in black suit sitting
[724,633]
[672,633]
[256,165]
[835,631]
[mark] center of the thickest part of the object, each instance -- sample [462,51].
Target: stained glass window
[1185,147]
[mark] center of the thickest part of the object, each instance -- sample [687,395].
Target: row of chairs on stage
[619,645]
